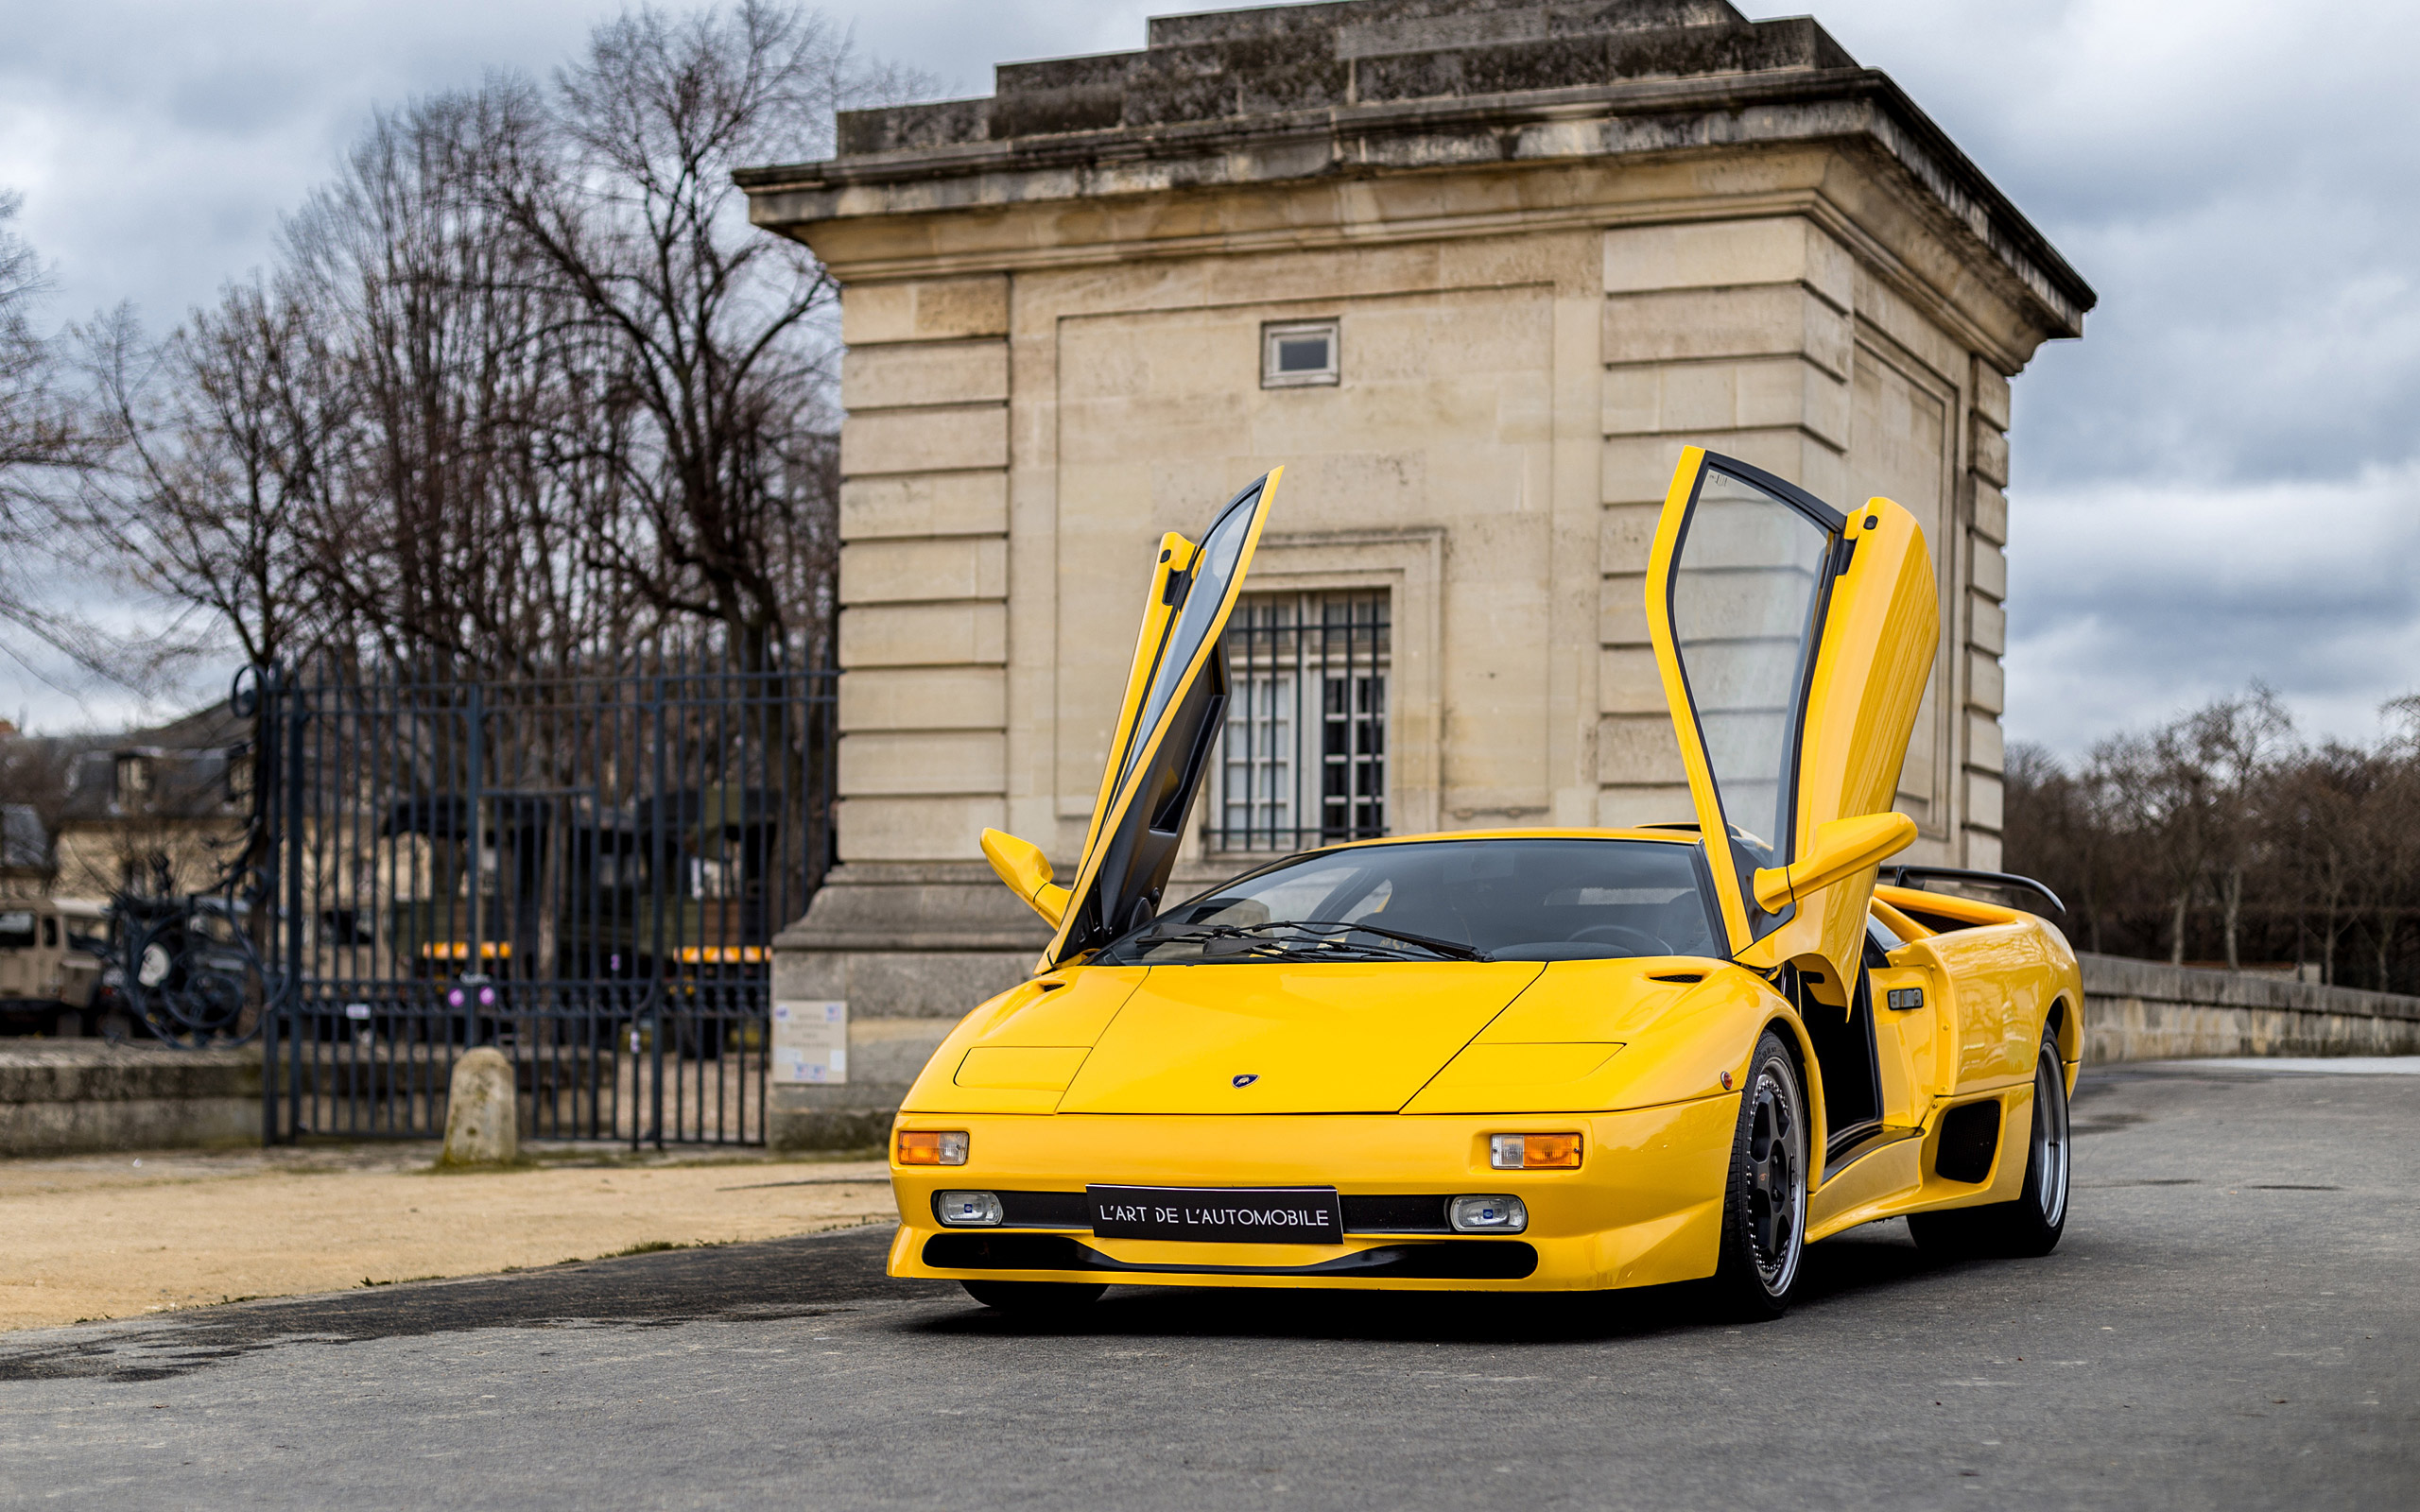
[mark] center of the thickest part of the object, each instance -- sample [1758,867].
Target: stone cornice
[1530,129]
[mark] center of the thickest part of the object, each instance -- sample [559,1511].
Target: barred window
[1303,759]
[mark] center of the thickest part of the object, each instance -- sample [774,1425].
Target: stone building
[156,810]
[1474,270]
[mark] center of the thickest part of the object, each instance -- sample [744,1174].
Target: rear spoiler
[1897,877]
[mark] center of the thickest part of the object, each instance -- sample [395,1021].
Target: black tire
[1035,1298]
[1764,1199]
[2031,1224]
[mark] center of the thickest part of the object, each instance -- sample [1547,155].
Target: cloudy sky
[2221,483]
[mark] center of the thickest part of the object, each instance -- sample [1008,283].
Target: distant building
[156,811]
[1475,272]
[25,850]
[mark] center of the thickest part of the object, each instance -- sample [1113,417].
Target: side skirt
[1875,1178]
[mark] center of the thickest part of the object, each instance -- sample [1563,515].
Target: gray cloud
[157,144]
[2218,485]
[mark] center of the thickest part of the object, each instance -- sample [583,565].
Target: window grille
[1303,759]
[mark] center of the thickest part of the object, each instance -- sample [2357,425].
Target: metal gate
[585,872]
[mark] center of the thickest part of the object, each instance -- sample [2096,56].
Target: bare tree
[2392,828]
[2051,832]
[34,431]
[2326,796]
[231,435]
[454,529]
[2235,741]
[524,387]
[706,332]
[46,446]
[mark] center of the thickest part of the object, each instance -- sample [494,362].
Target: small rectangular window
[1297,354]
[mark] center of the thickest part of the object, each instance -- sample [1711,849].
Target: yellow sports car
[1521,1060]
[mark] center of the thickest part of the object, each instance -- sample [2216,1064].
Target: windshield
[1444,900]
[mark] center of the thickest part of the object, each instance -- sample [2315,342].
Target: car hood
[1272,1038]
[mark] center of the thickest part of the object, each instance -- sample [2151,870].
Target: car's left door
[1176,696]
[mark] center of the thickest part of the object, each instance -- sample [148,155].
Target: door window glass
[1214,576]
[1746,587]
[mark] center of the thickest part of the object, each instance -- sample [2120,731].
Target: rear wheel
[2032,1224]
[1034,1299]
[1764,1203]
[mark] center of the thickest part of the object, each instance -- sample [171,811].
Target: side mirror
[1027,871]
[1837,851]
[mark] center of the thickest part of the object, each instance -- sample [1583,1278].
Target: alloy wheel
[1777,1164]
[2050,1137]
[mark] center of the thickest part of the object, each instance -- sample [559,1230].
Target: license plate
[1223,1215]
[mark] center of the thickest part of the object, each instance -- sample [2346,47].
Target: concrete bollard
[482,1125]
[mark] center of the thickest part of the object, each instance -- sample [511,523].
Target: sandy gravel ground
[119,1235]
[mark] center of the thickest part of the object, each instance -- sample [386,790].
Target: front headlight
[967,1209]
[1487,1216]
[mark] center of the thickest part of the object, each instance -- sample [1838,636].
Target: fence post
[659,861]
[476,965]
[290,847]
[265,735]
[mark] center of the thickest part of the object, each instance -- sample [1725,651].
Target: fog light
[1533,1152]
[925,1147]
[967,1209]
[1487,1216]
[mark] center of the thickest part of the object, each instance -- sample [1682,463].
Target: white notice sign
[811,1043]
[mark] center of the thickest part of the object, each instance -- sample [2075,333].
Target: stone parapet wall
[2149,1010]
[73,1097]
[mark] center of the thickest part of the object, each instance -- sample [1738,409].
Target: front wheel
[1764,1201]
[2031,1224]
[1034,1299]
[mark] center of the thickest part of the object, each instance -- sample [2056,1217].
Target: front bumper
[1644,1207]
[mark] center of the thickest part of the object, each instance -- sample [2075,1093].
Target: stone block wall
[74,1097]
[924,567]
[2149,1010]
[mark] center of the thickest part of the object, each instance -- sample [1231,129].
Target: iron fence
[583,871]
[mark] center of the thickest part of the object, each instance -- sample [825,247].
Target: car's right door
[1795,642]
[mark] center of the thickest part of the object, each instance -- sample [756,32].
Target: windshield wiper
[1322,932]
[1451,948]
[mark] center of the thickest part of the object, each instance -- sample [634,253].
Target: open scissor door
[1176,698]
[1793,642]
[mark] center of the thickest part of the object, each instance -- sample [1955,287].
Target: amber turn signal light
[919,1146]
[1533,1152]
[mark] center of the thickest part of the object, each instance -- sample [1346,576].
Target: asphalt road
[2233,1322]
